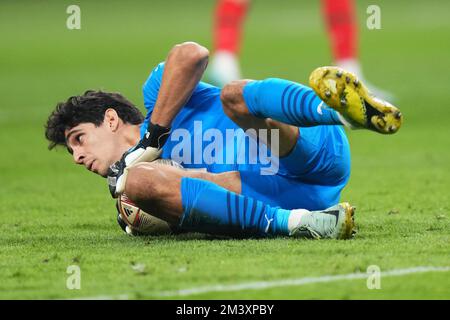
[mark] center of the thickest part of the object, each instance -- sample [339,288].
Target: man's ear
[111,120]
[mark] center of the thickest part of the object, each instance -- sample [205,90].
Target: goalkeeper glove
[147,150]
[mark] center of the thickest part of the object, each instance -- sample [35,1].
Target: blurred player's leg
[341,20]
[203,206]
[229,17]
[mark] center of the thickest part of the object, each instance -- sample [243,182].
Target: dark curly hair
[88,108]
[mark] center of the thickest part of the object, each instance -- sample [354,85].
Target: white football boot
[336,222]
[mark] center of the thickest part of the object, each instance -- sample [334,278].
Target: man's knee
[144,183]
[233,99]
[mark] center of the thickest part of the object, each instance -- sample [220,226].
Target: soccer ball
[139,221]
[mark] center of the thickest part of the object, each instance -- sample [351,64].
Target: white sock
[354,67]
[295,218]
[351,65]
[224,67]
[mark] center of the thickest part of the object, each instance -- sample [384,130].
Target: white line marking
[260,285]
[117,297]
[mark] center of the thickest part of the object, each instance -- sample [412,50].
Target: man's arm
[183,70]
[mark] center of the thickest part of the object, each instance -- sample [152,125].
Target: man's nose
[78,156]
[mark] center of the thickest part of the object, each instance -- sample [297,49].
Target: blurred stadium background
[54,214]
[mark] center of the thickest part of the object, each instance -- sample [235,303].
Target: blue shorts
[311,176]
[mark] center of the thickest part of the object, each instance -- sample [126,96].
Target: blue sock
[209,208]
[288,102]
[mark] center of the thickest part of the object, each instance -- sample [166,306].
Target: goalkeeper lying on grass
[308,150]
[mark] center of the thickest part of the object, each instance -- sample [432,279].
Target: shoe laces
[314,234]
[327,226]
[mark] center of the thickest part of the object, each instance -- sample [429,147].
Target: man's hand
[147,150]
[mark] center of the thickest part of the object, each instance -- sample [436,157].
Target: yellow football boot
[342,91]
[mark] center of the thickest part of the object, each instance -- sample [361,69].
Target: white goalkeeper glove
[147,150]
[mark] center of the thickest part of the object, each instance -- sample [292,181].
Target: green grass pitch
[54,214]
